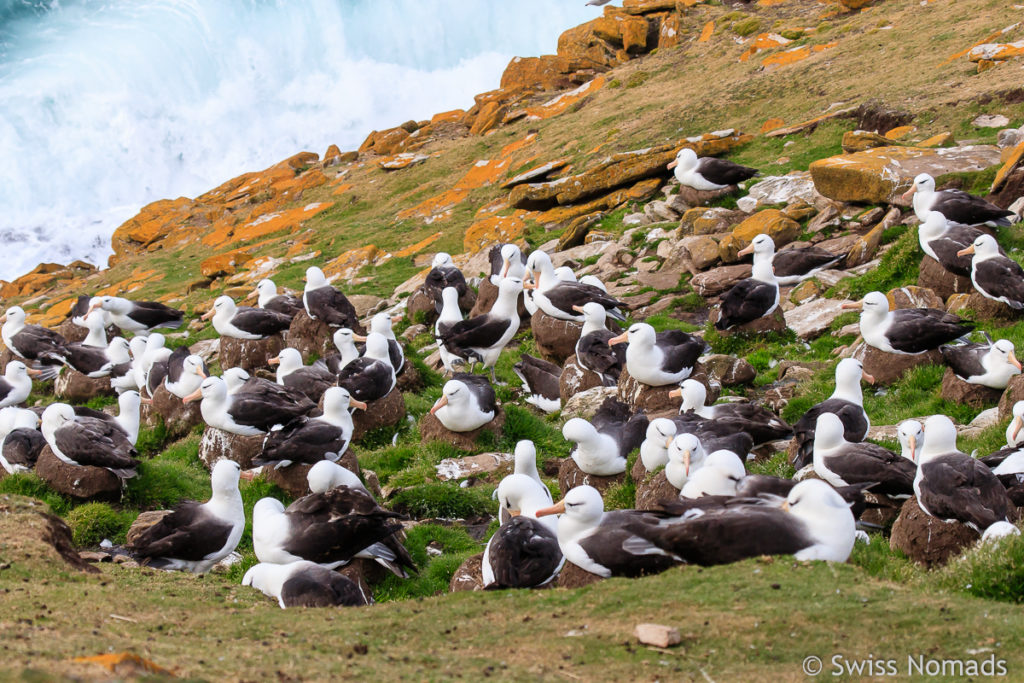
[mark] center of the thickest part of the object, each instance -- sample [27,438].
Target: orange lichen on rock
[996,52]
[900,132]
[763,41]
[772,124]
[453,116]
[125,664]
[990,38]
[795,55]
[706,32]
[564,101]
[493,230]
[227,263]
[343,188]
[1012,161]
[265,225]
[419,246]
[936,140]
[348,263]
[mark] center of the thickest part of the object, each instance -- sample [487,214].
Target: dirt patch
[30,536]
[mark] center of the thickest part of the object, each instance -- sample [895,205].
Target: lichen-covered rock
[250,355]
[958,391]
[431,429]
[882,174]
[81,482]
[586,403]
[980,306]
[556,339]
[575,379]
[729,371]
[812,319]
[570,476]
[771,222]
[926,540]
[217,444]
[74,387]
[384,412]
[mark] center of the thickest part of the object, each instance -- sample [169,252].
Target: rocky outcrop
[771,222]
[955,390]
[881,175]
[944,283]
[887,368]
[178,417]
[576,379]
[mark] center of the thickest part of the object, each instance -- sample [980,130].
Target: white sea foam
[108,105]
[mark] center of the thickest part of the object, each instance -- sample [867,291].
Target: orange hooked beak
[441,403]
[910,193]
[749,249]
[578,309]
[274,361]
[621,339]
[912,442]
[867,378]
[194,396]
[504,268]
[88,312]
[248,475]
[675,393]
[358,337]
[686,461]
[199,371]
[1017,424]
[3,318]
[966,252]
[852,305]
[1014,362]
[143,399]
[672,164]
[785,505]
[396,319]
[209,314]
[32,372]
[556,509]
[357,404]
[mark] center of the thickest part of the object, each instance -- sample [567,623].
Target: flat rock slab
[250,355]
[926,540]
[384,412]
[480,465]
[575,379]
[570,476]
[83,483]
[179,418]
[217,444]
[887,368]
[718,280]
[813,319]
[74,387]
[556,339]
[975,395]
[882,174]
[431,429]
[657,635]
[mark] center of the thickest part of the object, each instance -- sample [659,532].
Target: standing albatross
[846,401]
